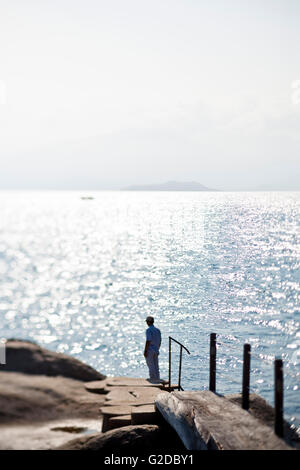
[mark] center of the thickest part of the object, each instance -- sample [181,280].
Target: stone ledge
[204,421]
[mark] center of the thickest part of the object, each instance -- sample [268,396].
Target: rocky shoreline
[45,405]
[52,401]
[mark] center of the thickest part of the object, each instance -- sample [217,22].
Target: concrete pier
[203,420]
[206,421]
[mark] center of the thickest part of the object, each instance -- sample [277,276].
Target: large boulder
[28,399]
[148,437]
[30,358]
[265,413]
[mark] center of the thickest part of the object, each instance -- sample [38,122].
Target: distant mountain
[170,186]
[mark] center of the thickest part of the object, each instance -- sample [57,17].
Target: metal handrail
[180,361]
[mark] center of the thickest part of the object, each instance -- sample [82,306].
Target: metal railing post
[212,363]
[170,362]
[278,371]
[180,362]
[246,377]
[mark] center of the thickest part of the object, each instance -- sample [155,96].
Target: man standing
[153,341]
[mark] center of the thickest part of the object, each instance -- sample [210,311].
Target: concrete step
[133,403]
[133,394]
[113,411]
[146,414]
[119,421]
[96,386]
[130,382]
[106,385]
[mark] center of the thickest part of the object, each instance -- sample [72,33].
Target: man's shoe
[153,381]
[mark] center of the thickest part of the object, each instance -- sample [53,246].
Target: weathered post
[169,363]
[278,370]
[212,363]
[180,363]
[246,377]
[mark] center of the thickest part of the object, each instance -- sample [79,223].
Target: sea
[81,270]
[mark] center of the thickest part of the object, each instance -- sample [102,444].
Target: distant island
[170,186]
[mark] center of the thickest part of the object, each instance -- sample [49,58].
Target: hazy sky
[101,94]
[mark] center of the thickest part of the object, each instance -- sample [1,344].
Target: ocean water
[80,276]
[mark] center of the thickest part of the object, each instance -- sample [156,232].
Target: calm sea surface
[80,275]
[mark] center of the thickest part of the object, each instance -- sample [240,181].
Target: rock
[29,358]
[45,435]
[265,413]
[39,412]
[35,398]
[129,439]
[45,398]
